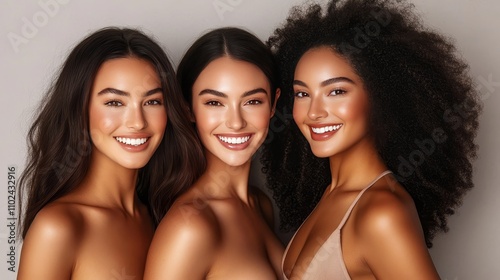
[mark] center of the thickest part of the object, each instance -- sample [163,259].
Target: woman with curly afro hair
[379,152]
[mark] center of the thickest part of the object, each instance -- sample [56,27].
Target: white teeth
[131,141]
[321,130]
[234,140]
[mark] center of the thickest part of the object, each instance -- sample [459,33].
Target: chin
[237,161]
[134,164]
[322,153]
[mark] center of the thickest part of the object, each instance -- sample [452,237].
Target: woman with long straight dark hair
[216,228]
[112,126]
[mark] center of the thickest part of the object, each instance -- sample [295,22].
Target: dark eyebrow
[326,82]
[254,91]
[124,93]
[223,95]
[337,80]
[214,92]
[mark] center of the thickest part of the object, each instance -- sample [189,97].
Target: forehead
[323,63]
[126,74]
[226,72]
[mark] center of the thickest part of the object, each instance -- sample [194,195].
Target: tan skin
[101,230]
[383,238]
[216,229]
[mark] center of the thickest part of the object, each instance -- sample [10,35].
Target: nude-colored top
[328,262]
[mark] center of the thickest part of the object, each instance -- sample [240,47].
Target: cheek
[299,112]
[352,110]
[206,120]
[102,122]
[158,120]
[259,118]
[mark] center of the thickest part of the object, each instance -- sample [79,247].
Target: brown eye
[337,92]
[254,102]
[213,103]
[300,94]
[113,103]
[154,102]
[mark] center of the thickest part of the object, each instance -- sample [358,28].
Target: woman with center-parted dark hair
[112,126]
[216,229]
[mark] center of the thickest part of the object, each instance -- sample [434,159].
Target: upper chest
[248,249]
[112,247]
[319,235]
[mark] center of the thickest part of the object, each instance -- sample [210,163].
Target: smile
[325,129]
[234,140]
[132,141]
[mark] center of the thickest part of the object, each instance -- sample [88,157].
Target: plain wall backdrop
[36,36]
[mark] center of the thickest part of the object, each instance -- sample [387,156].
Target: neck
[356,166]
[111,185]
[221,180]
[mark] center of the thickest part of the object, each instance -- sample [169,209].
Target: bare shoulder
[387,212]
[389,230]
[51,243]
[193,220]
[385,207]
[184,244]
[60,222]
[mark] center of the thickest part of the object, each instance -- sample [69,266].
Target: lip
[134,148]
[235,146]
[326,135]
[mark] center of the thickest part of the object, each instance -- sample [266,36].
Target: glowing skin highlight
[127,116]
[331,105]
[232,109]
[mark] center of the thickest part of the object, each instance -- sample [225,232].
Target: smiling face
[231,106]
[127,116]
[331,105]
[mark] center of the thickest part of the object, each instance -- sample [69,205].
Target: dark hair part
[424,107]
[233,42]
[59,144]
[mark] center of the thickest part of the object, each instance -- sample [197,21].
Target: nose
[135,118]
[316,109]
[235,119]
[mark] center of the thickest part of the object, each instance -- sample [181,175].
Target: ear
[276,97]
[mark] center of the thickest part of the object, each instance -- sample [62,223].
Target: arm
[48,250]
[394,242]
[184,245]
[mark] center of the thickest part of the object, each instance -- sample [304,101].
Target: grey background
[36,36]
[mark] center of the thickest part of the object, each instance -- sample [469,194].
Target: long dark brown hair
[59,145]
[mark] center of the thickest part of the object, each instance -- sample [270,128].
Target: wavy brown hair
[424,107]
[59,144]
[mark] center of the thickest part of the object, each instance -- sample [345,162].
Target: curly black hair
[424,107]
